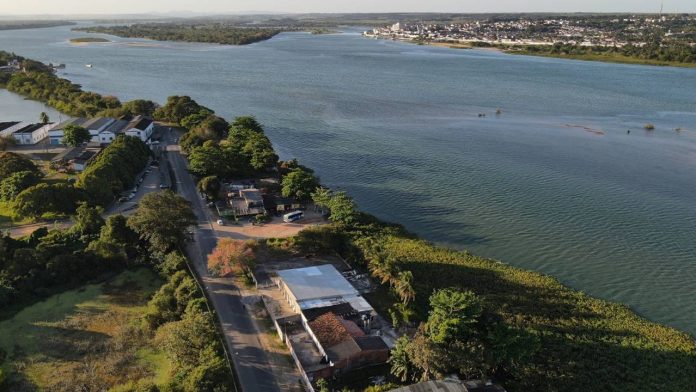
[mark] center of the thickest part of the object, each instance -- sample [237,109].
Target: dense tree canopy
[299,184]
[11,163]
[164,220]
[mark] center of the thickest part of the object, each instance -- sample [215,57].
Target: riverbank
[520,50]
[605,58]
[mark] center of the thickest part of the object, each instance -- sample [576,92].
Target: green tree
[43,117]
[343,209]
[453,316]
[11,186]
[48,198]
[210,186]
[163,219]
[248,123]
[74,135]
[11,163]
[88,220]
[400,361]
[299,184]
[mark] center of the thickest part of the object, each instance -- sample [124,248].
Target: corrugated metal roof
[322,281]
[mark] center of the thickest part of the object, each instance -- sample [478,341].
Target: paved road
[251,362]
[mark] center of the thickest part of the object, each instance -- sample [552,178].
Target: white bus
[293,216]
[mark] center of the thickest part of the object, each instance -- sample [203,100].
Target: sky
[55,7]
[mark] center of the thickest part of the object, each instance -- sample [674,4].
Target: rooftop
[117,126]
[253,195]
[140,123]
[322,281]
[30,128]
[7,124]
[98,122]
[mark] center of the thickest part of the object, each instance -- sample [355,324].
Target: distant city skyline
[74,7]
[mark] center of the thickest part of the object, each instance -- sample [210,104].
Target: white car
[220,222]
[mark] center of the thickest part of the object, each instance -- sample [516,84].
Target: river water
[555,183]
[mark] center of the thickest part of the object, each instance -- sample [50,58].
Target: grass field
[84,337]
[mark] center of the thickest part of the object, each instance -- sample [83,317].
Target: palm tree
[43,117]
[403,286]
[400,361]
[383,268]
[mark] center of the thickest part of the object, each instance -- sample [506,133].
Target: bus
[293,216]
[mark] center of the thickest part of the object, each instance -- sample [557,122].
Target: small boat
[88,65]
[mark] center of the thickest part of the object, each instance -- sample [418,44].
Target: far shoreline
[521,51]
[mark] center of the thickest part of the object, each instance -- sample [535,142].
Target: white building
[140,127]
[32,133]
[97,125]
[104,129]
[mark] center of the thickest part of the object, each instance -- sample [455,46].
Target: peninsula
[218,33]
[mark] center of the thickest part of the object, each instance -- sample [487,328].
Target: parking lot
[150,183]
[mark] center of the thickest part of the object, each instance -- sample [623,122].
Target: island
[219,33]
[86,40]
[32,24]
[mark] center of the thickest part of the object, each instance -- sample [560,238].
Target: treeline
[668,53]
[114,169]
[219,33]
[480,318]
[32,24]
[37,81]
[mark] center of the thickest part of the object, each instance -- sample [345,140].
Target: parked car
[220,222]
[123,199]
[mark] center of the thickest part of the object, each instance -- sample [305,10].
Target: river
[555,183]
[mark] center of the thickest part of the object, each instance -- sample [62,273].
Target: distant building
[32,133]
[96,126]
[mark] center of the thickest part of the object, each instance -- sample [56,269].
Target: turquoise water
[608,212]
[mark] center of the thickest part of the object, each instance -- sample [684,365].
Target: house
[75,158]
[283,204]
[317,286]
[32,133]
[333,330]
[252,198]
[452,385]
[140,127]
[7,128]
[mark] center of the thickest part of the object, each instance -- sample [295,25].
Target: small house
[140,127]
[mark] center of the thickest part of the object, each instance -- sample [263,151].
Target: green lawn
[88,335]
